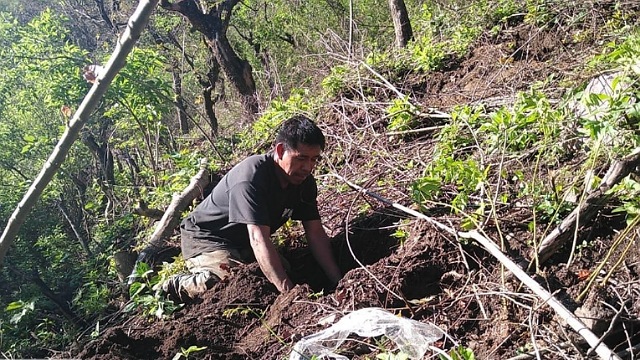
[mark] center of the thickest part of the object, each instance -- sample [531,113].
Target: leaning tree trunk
[589,208]
[401,22]
[125,44]
[237,70]
[171,218]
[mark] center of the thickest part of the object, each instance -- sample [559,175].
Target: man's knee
[184,287]
[219,262]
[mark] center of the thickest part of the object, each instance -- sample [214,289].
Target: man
[250,203]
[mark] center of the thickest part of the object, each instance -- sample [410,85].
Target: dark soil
[431,276]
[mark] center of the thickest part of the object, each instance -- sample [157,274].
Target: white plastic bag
[412,337]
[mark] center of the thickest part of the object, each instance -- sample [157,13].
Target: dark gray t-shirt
[249,193]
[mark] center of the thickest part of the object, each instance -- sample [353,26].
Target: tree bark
[180,108]
[125,262]
[213,25]
[592,204]
[401,23]
[171,217]
[104,156]
[125,44]
[208,93]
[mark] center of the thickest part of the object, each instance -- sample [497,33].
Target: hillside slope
[410,267]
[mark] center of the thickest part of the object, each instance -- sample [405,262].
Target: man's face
[297,164]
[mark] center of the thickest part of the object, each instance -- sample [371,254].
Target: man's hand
[321,249]
[268,258]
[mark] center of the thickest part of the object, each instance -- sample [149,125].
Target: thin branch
[594,201]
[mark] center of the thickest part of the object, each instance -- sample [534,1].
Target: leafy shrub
[146,294]
[336,81]
[260,135]
[402,115]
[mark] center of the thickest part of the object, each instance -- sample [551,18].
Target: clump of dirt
[427,275]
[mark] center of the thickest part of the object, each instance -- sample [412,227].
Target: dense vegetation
[177,101]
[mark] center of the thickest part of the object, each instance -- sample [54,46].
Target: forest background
[213,79]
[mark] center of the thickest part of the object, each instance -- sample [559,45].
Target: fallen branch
[600,348]
[171,217]
[593,203]
[136,24]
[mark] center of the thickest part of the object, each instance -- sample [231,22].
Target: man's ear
[279,151]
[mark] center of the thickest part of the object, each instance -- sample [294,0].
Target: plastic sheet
[412,337]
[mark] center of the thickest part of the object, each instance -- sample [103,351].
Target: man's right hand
[285,286]
[268,258]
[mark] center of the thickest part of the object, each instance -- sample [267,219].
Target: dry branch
[600,348]
[125,44]
[592,204]
[171,217]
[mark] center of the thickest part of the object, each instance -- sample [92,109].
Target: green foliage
[460,353]
[146,295]
[402,115]
[92,298]
[19,309]
[114,232]
[443,32]
[449,168]
[531,121]
[336,81]
[628,192]
[262,131]
[623,52]
[184,353]
[181,167]
[540,12]
[240,310]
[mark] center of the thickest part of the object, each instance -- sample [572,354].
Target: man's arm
[321,249]
[267,257]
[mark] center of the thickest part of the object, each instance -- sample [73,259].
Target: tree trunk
[103,154]
[208,93]
[237,70]
[125,262]
[401,22]
[213,25]
[589,208]
[180,108]
[172,216]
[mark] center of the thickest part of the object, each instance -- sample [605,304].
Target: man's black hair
[299,129]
